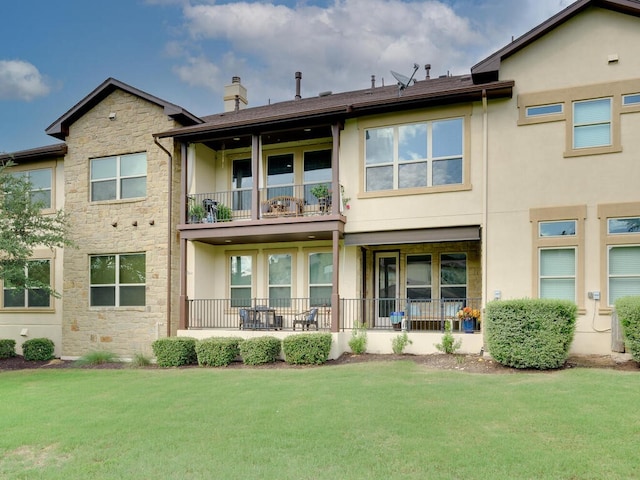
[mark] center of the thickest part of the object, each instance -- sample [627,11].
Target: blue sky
[53,53]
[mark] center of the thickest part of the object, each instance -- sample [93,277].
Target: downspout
[335,178]
[485,196]
[169,231]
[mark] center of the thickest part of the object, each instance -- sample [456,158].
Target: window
[320,279]
[280,175]
[558,229]
[120,177]
[40,181]
[621,226]
[241,280]
[280,279]
[38,270]
[453,275]
[592,123]
[544,110]
[419,277]
[558,273]
[242,183]
[118,280]
[633,99]
[624,271]
[414,155]
[317,171]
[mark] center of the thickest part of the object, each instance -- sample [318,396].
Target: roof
[60,128]
[36,154]
[333,107]
[488,69]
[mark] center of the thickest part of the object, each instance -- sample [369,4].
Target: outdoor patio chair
[306,318]
[248,319]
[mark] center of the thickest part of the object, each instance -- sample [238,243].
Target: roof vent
[325,94]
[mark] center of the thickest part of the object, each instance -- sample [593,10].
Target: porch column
[256,154]
[335,295]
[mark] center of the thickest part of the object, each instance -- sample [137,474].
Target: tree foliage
[23,227]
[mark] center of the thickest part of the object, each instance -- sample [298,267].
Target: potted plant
[224,213]
[321,192]
[196,212]
[469,318]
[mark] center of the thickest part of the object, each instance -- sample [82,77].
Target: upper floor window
[633,99]
[242,183]
[280,176]
[414,155]
[539,110]
[621,226]
[119,177]
[13,297]
[592,123]
[118,280]
[40,181]
[317,171]
[561,228]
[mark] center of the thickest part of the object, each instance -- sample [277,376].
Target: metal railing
[225,313]
[282,200]
[377,314]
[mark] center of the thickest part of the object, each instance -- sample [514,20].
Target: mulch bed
[466,363]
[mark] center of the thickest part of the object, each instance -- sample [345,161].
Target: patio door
[386,284]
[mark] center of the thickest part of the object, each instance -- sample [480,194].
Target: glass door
[386,285]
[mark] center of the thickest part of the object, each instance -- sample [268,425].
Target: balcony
[377,314]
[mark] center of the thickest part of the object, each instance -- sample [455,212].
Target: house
[517,180]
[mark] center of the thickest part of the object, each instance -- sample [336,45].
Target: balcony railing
[377,314]
[276,201]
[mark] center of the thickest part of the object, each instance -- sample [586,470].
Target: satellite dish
[403,81]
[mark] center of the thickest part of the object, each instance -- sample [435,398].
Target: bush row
[33,349]
[530,333]
[628,309]
[311,348]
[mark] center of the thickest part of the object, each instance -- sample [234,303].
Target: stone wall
[119,226]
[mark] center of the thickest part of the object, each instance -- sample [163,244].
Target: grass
[97,358]
[361,421]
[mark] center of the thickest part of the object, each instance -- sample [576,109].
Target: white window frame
[281,302]
[574,277]
[321,285]
[608,122]
[631,99]
[118,177]
[235,303]
[544,110]
[610,276]
[25,291]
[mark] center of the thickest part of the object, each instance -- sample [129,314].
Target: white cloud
[339,47]
[21,80]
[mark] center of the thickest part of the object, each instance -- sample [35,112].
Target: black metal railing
[275,201]
[413,315]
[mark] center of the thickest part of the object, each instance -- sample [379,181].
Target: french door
[386,288]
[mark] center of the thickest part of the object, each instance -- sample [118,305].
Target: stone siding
[119,226]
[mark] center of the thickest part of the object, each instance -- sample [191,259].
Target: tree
[23,227]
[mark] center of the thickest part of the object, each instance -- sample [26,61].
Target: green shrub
[530,333]
[217,351]
[400,342]
[7,348]
[358,341]
[175,351]
[628,309]
[307,348]
[98,357]
[449,343]
[140,360]
[259,350]
[38,349]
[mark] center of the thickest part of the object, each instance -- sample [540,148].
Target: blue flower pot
[469,325]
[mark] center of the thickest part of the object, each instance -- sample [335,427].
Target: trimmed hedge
[175,351]
[7,348]
[260,350]
[217,351]
[38,349]
[628,309]
[530,333]
[307,348]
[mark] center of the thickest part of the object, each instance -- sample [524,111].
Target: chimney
[427,67]
[298,78]
[373,81]
[235,96]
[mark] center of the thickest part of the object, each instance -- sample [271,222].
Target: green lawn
[362,421]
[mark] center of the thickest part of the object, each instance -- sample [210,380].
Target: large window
[242,184]
[280,175]
[624,271]
[592,123]
[558,273]
[320,278]
[40,181]
[280,279]
[317,171]
[118,280]
[119,177]
[241,280]
[419,277]
[414,155]
[38,270]
[453,275]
